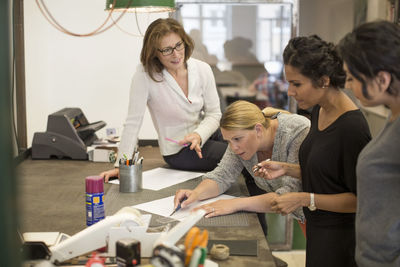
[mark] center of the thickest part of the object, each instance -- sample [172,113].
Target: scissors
[194,238]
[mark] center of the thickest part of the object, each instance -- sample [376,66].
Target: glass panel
[214,11]
[243,43]
[193,11]
[192,24]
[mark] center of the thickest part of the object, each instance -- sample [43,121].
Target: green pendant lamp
[141,5]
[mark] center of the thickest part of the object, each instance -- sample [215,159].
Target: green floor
[276,232]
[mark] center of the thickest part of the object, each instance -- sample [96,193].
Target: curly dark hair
[370,48]
[154,33]
[315,58]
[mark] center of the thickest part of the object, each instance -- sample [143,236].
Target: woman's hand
[269,169]
[289,202]
[195,141]
[111,173]
[190,195]
[220,207]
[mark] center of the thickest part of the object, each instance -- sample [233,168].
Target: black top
[328,161]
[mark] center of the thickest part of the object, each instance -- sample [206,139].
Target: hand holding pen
[179,205]
[176,142]
[269,169]
[193,140]
[183,198]
[258,166]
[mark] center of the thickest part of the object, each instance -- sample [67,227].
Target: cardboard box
[103,153]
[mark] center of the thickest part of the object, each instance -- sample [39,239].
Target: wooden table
[51,196]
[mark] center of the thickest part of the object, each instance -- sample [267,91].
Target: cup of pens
[130,175]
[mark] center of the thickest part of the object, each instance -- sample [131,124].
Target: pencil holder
[130,178]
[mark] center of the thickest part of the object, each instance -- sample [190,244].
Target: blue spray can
[94,199]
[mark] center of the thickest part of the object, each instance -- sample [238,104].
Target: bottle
[94,199]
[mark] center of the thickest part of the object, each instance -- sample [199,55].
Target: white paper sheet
[160,178]
[165,206]
[116,181]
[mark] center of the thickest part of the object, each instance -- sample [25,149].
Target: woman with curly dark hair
[371,55]
[328,155]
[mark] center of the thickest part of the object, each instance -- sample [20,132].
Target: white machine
[126,223]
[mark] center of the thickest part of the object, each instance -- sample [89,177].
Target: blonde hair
[154,33]
[243,115]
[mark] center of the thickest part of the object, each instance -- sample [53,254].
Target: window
[242,42]
[267,27]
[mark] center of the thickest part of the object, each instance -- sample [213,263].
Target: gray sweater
[378,199]
[292,129]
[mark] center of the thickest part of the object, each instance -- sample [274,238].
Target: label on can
[94,208]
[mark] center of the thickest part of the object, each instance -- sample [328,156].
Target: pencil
[174,141]
[258,167]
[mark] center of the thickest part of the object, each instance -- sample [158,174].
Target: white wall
[92,73]
[331,20]
[378,9]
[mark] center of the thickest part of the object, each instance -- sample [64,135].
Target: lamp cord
[49,17]
[125,31]
[137,24]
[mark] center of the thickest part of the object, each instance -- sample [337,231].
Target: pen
[258,167]
[275,115]
[179,206]
[135,157]
[174,141]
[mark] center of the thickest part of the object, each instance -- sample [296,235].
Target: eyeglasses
[169,50]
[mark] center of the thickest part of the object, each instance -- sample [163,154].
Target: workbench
[52,199]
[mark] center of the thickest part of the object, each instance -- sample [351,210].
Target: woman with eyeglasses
[182,98]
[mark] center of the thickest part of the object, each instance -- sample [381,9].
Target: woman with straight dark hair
[371,55]
[328,155]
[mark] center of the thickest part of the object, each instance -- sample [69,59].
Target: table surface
[53,174]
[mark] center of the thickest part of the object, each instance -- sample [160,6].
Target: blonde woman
[253,136]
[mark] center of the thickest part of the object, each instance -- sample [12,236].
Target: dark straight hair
[370,48]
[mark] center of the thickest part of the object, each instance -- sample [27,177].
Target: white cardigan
[173,115]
